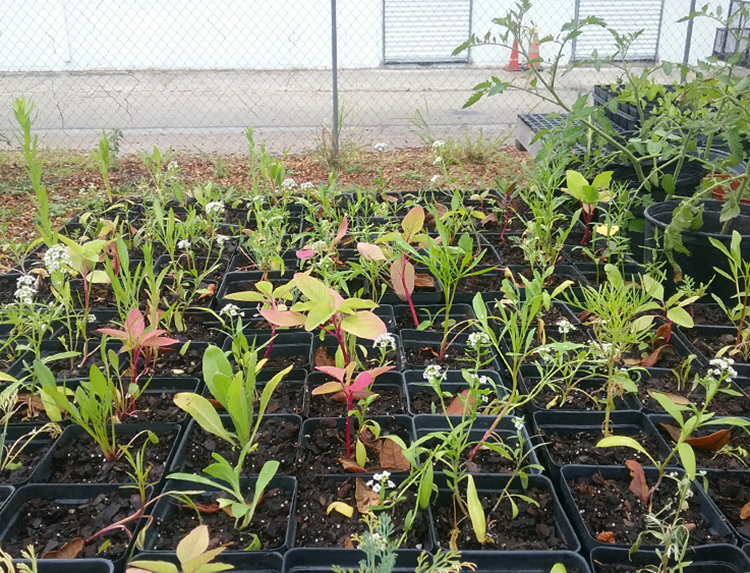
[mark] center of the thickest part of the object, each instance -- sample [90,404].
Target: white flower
[438,143]
[564,327]
[484,381]
[91,318]
[723,368]
[257,198]
[232,310]
[184,245]
[485,399]
[56,258]
[377,487]
[478,340]
[25,291]
[434,179]
[370,483]
[385,342]
[381,147]
[221,239]
[391,484]
[288,184]
[25,281]
[438,160]
[545,353]
[307,186]
[215,208]
[433,373]
[518,423]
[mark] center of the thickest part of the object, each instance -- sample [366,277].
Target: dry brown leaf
[461,404]
[428,352]
[70,550]
[745,511]
[201,507]
[215,403]
[606,537]
[422,280]
[348,543]
[712,442]
[491,218]
[662,335]
[365,497]
[638,485]
[392,457]
[350,466]
[359,395]
[210,291]
[676,398]
[322,358]
[651,360]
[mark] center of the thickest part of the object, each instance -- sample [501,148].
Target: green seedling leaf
[476,512]
[203,412]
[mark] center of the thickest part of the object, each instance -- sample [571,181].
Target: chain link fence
[193,74]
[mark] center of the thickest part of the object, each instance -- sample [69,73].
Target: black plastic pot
[391,382]
[488,485]
[459,313]
[40,444]
[689,178]
[320,560]
[126,432]
[22,366]
[703,256]
[453,382]
[562,272]
[289,343]
[245,281]
[393,357]
[695,336]
[164,509]
[728,491]
[717,525]
[242,260]
[242,562]
[719,558]
[524,561]
[71,565]
[308,425]
[626,423]
[526,383]
[73,495]
[506,432]
[5,492]
[420,296]
[417,341]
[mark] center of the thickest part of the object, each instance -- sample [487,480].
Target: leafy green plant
[193,556]
[104,160]
[589,195]
[237,394]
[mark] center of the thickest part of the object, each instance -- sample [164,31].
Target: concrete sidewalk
[208,111]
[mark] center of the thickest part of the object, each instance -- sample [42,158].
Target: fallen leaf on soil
[650,360]
[606,537]
[392,456]
[463,403]
[676,398]
[662,335]
[585,315]
[745,511]
[712,442]
[638,486]
[428,352]
[359,395]
[365,497]
[340,507]
[322,358]
[348,543]
[210,291]
[422,280]
[491,218]
[351,466]
[68,551]
[201,507]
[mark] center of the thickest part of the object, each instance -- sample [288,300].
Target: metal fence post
[688,37]
[335,79]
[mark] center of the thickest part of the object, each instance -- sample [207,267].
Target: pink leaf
[285,318]
[375,372]
[159,342]
[333,371]
[135,325]
[305,254]
[400,275]
[121,334]
[342,231]
[362,381]
[371,252]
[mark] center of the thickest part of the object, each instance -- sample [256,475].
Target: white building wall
[77,35]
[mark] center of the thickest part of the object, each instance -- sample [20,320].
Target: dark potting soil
[454,358]
[29,458]
[510,254]
[709,343]
[533,529]
[277,439]
[49,525]
[287,398]
[482,283]
[406,320]
[711,567]
[580,448]
[155,407]
[667,357]
[371,360]
[326,443]
[82,461]
[706,459]
[708,315]
[198,332]
[390,401]
[317,529]
[171,363]
[281,362]
[608,505]
[215,275]
[722,404]
[731,494]
[269,523]
[63,370]
[575,400]
[428,402]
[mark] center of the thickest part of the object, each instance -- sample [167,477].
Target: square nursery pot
[562,273]
[173,519]
[367,355]
[320,560]
[525,561]
[33,453]
[323,441]
[156,405]
[421,349]
[70,452]
[716,529]
[202,326]
[730,492]
[39,509]
[319,529]
[404,320]
[289,347]
[241,281]
[176,361]
[486,462]
[422,398]
[278,439]
[243,260]
[545,528]
[487,284]
[201,263]
[71,565]
[574,255]
[552,400]
[250,562]
[706,340]
[5,492]
[720,558]
[422,295]
[389,386]
[577,433]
